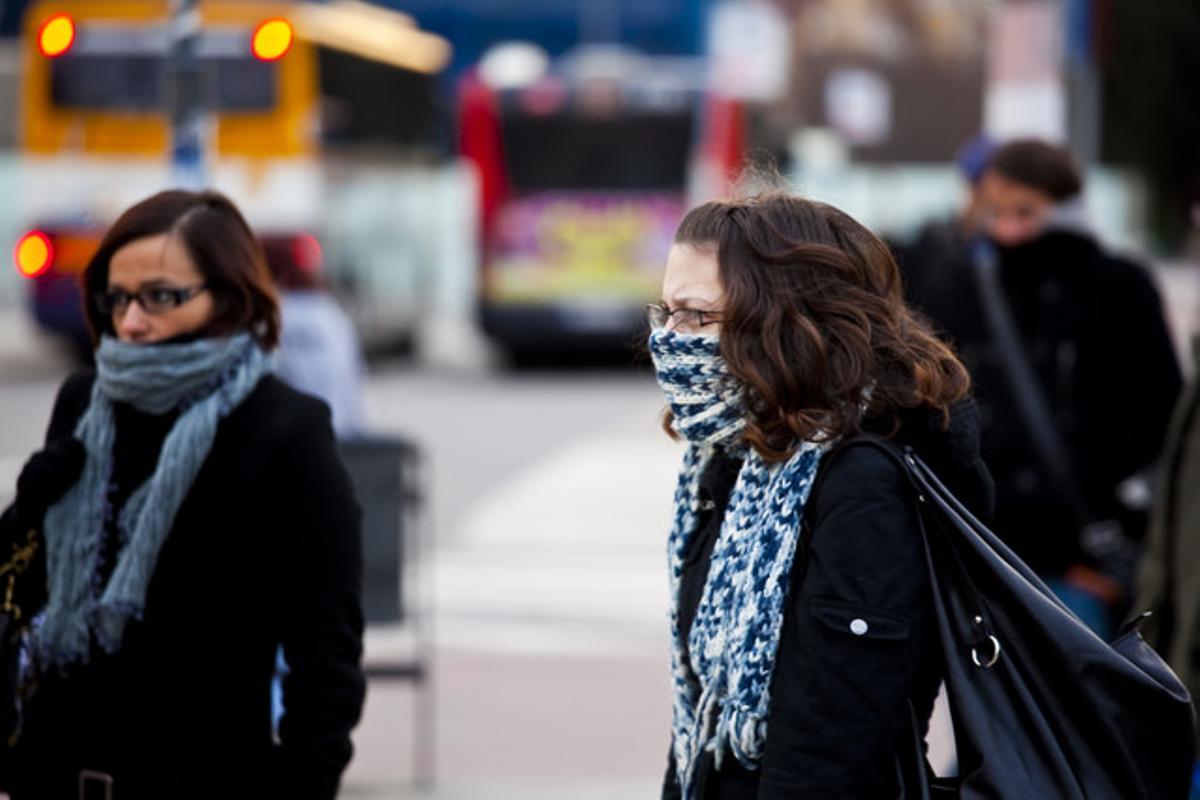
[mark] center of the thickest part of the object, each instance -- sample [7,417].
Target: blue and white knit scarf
[723,674]
[203,380]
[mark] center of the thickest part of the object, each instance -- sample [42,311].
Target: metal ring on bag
[89,777]
[990,662]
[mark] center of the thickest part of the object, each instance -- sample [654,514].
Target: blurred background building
[421,138]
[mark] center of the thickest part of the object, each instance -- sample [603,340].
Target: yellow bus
[95,131]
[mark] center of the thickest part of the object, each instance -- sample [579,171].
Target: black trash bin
[383,472]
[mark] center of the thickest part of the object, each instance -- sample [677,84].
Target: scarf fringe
[722,690]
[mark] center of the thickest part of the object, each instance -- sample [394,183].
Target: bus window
[243,84]
[107,82]
[137,82]
[570,151]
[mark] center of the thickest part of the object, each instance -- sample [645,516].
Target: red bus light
[272,40]
[306,252]
[34,254]
[56,35]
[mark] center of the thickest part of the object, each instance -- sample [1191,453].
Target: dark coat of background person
[930,262]
[839,710]
[264,550]
[1169,583]
[1094,329]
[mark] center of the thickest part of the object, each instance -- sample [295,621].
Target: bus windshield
[570,151]
[138,82]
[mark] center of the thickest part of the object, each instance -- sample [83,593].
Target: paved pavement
[522,725]
[544,576]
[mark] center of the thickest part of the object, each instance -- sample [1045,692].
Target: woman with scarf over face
[194,517]
[804,641]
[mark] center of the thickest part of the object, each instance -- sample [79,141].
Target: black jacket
[265,550]
[929,262]
[1093,327]
[839,703]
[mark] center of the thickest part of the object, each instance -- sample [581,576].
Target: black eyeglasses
[155,300]
[684,320]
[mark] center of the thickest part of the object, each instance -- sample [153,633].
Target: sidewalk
[520,726]
[550,677]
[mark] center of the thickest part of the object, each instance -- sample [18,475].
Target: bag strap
[21,555]
[1026,389]
[928,492]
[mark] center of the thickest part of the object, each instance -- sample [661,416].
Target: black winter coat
[1094,330]
[838,716]
[265,550]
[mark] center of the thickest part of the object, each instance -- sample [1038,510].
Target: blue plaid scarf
[722,674]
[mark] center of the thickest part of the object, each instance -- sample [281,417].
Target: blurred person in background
[804,638]
[929,261]
[319,353]
[319,350]
[1089,332]
[192,516]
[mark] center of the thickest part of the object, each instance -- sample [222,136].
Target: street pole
[186,97]
[1082,80]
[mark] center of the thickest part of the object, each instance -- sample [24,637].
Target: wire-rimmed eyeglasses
[684,320]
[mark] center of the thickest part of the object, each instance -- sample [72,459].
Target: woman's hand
[46,476]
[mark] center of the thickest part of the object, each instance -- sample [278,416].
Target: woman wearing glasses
[804,649]
[192,516]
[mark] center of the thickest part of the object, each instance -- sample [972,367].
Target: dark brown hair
[220,244]
[814,323]
[1039,165]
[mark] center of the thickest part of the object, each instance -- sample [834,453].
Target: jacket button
[859,627]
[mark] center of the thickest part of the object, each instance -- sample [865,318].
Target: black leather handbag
[1041,706]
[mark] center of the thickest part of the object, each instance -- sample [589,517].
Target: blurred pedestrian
[319,353]
[212,521]
[319,350]
[804,638]
[940,246]
[1075,375]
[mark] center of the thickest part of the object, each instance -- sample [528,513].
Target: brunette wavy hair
[220,243]
[814,323]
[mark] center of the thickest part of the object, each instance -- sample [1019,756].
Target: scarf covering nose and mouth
[722,673]
[706,401]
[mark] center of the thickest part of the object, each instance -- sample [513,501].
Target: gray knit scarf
[722,673]
[202,380]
